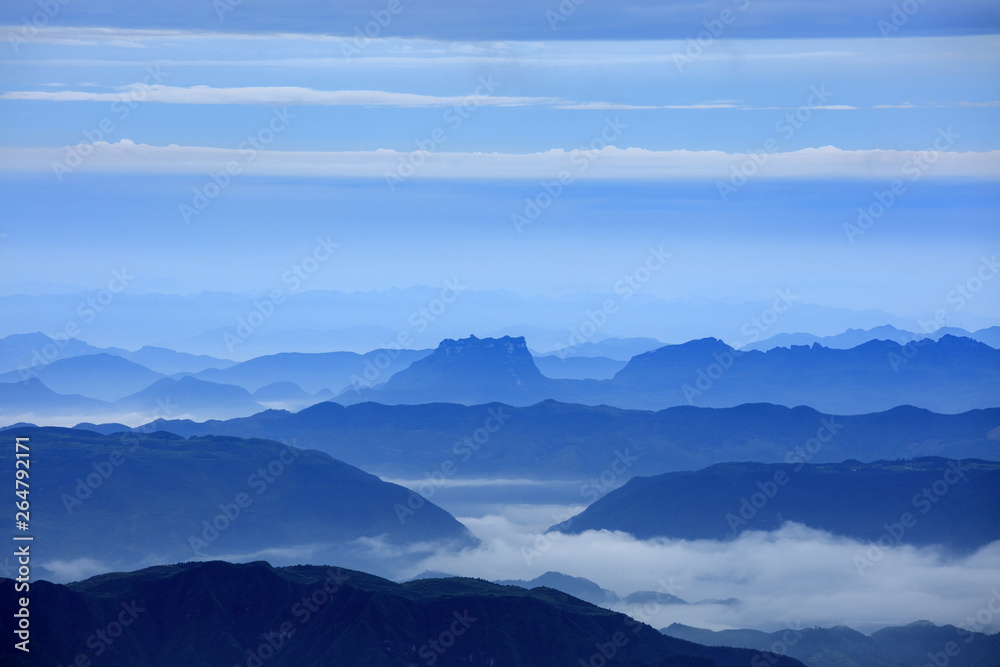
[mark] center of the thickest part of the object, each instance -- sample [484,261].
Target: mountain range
[552,440]
[915,645]
[949,375]
[216,613]
[923,501]
[854,337]
[197,323]
[133,498]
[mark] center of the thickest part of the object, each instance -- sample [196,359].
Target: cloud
[594,162]
[935,105]
[272,95]
[793,576]
[74,570]
[300,96]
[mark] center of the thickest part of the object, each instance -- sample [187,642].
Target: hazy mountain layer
[134,498]
[555,440]
[923,501]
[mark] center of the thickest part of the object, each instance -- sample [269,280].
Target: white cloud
[273,95]
[297,95]
[935,105]
[600,163]
[795,575]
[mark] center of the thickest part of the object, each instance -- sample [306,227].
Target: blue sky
[748,155]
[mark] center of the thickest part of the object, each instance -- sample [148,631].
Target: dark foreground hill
[914,645]
[217,614]
[133,499]
[923,501]
[554,440]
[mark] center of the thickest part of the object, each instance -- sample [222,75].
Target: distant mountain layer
[555,440]
[924,501]
[216,613]
[134,498]
[914,645]
[578,587]
[106,377]
[854,337]
[315,371]
[35,350]
[578,368]
[949,375]
[587,590]
[358,321]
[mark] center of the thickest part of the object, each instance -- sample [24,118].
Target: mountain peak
[468,371]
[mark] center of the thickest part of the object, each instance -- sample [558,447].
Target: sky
[846,150]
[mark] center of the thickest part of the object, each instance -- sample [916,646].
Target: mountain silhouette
[217,613]
[863,501]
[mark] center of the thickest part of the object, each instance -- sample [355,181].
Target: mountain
[863,501]
[990,336]
[32,397]
[468,371]
[131,499]
[578,368]
[950,375]
[190,396]
[281,392]
[196,323]
[103,376]
[24,351]
[553,440]
[169,362]
[619,349]
[217,613]
[854,337]
[578,587]
[913,645]
[316,371]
